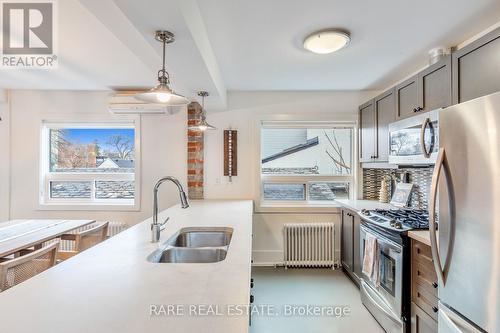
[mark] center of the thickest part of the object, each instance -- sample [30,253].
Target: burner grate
[416,219]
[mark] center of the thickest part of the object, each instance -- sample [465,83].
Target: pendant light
[162,93]
[203,125]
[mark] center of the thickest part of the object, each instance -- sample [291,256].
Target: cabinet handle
[434,284]
[435,309]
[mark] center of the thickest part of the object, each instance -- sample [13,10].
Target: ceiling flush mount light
[162,93]
[327,41]
[203,125]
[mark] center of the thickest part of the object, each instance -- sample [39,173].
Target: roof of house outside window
[109,163]
[308,144]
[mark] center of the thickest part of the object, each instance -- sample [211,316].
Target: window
[89,164]
[306,162]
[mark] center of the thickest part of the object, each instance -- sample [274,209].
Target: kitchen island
[113,288]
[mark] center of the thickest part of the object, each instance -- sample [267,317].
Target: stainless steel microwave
[414,140]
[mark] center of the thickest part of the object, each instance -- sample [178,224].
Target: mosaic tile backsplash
[420,177]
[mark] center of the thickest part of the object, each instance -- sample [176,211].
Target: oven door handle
[381,239]
[387,312]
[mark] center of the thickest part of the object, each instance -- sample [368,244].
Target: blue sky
[90,135]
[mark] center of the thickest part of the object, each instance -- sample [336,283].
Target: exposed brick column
[195,153]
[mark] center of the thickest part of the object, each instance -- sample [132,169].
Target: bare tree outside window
[336,154]
[122,146]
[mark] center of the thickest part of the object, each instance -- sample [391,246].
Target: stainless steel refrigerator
[466,192]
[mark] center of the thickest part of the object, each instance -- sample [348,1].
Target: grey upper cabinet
[435,85]
[347,241]
[366,132]
[374,118]
[476,68]
[408,97]
[385,113]
[428,90]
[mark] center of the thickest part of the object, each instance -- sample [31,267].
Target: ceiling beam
[111,16]
[194,22]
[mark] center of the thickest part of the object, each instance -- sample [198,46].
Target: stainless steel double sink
[194,245]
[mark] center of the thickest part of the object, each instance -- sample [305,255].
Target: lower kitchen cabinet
[351,261]
[421,322]
[347,241]
[356,250]
[424,290]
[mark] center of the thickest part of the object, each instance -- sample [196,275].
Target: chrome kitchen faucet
[157,228]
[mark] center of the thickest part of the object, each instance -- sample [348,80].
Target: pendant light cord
[203,114]
[164,43]
[163,76]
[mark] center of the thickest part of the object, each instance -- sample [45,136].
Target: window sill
[88,207]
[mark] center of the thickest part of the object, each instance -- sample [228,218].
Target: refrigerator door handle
[440,163]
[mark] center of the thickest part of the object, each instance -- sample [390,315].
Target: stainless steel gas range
[388,298]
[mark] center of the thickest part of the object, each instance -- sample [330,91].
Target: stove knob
[365,212]
[395,224]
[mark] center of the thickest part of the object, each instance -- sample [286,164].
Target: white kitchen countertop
[358,205]
[423,236]
[110,287]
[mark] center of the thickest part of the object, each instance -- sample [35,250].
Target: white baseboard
[268,264]
[275,258]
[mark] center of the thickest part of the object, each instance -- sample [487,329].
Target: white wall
[245,109]
[163,151]
[267,247]
[163,148]
[5,160]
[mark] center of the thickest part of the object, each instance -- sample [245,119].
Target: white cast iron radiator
[113,229]
[309,244]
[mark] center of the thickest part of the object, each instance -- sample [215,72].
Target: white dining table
[16,235]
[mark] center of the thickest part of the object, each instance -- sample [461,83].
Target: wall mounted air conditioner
[124,103]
